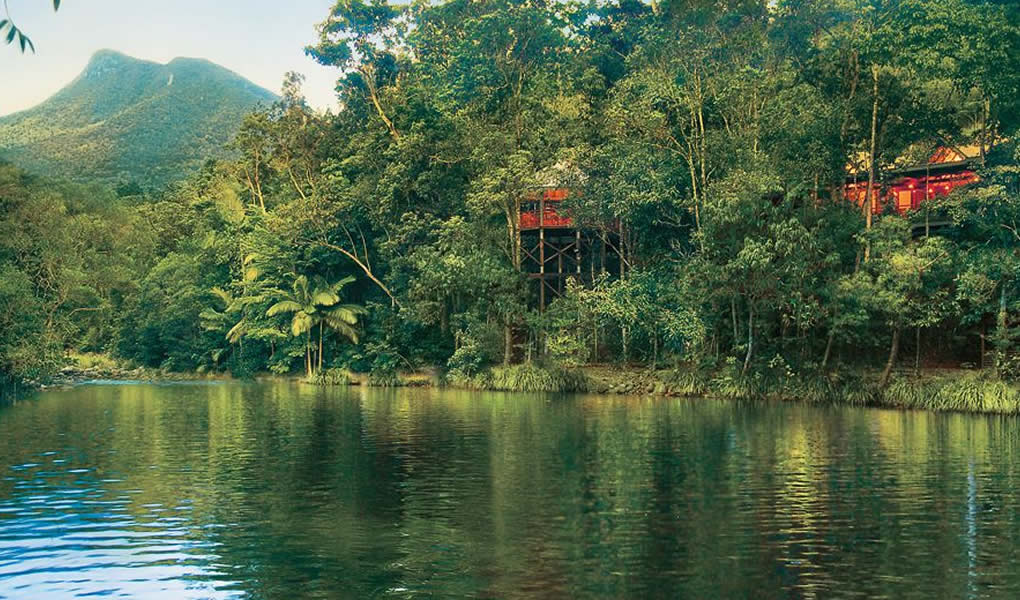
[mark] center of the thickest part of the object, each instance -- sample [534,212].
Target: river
[284,491]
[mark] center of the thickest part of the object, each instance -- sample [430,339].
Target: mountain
[129,119]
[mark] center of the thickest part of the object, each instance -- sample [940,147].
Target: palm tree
[318,304]
[213,319]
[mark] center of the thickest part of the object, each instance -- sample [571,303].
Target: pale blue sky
[259,39]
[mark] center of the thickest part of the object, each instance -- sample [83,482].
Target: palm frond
[340,285]
[226,297]
[300,287]
[324,297]
[302,323]
[237,331]
[343,329]
[245,301]
[284,306]
[347,313]
[211,319]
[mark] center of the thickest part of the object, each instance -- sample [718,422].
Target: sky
[258,39]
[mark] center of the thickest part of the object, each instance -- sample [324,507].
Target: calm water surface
[280,491]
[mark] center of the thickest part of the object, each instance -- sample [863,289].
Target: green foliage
[317,304]
[973,392]
[687,382]
[332,377]
[704,146]
[479,347]
[10,32]
[65,269]
[384,378]
[528,377]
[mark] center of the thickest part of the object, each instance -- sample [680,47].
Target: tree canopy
[707,143]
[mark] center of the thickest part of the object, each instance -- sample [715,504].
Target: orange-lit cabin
[907,188]
[544,210]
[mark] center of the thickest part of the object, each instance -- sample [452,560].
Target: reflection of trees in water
[355,493]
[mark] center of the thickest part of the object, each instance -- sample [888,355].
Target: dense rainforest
[714,136]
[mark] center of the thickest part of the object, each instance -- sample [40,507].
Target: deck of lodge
[554,249]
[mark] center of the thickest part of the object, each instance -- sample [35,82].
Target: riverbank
[83,368]
[957,390]
[73,376]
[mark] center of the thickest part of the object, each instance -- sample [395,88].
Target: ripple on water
[281,492]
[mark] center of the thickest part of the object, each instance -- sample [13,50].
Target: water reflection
[285,491]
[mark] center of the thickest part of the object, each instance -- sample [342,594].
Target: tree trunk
[828,348]
[733,313]
[308,354]
[917,352]
[986,114]
[364,267]
[320,346]
[1001,341]
[750,335]
[893,351]
[623,254]
[368,76]
[983,335]
[508,344]
[703,150]
[872,160]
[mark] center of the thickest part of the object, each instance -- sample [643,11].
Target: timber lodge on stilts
[554,249]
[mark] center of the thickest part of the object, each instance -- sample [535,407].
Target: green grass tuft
[90,360]
[338,377]
[686,383]
[526,378]
[969,392]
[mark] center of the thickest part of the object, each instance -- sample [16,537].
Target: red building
[541,211]
[906,188]
[554,249]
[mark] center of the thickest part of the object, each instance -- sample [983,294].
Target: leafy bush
[479,347]
[528,377]
[1009,367]
[972,392]
[687,382]
[331,377]
[89,360]
[384,378]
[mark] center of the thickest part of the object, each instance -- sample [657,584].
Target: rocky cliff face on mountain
[125,119]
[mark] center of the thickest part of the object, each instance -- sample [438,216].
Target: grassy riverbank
[942,390]
[938,390]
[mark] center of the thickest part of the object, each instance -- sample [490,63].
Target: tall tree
[317,304]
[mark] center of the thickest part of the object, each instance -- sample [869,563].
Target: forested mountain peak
[125,118]
[104,60]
